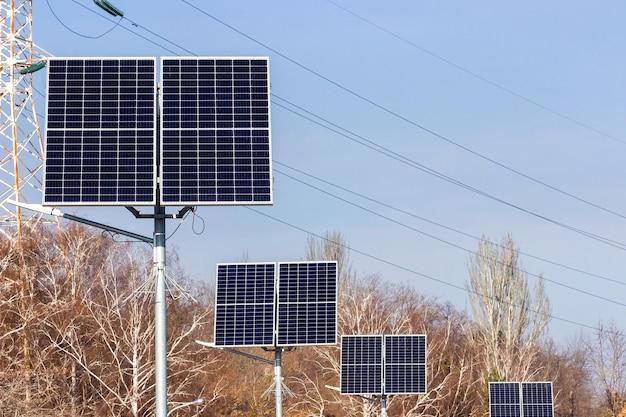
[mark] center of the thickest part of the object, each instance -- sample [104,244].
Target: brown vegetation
[76,339]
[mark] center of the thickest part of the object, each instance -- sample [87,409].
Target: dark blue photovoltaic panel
[504,399]
[307,303]
[530,399]
[100,132]
[505,410]
[215,143]
[405,364]
[504,393]
[537,399]
[361,365]
[244,305]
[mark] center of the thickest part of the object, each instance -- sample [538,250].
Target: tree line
[77,337]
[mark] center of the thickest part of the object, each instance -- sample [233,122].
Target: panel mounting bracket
[179,215]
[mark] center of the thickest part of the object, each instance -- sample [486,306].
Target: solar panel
[244,307]
[504,399]
[390,364]
[100,131]
[307,303]
[537,399]
[405,364]
[249,295]
[361,364]
[527,399]
[215,144]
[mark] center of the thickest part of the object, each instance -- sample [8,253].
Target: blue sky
[413,128]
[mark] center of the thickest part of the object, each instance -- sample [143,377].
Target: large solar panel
[244,307]
[215,144]
[100,131]
[405,364]
[526,399]
[390,364]
[264,304]
[361,364]
[307,303]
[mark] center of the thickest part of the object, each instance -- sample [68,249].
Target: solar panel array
[216,131]
[102,132]
[377,365]
[525,399]
[268,304]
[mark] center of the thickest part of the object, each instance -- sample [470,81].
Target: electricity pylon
[21,144]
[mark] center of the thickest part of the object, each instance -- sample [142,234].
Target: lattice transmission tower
[21,144]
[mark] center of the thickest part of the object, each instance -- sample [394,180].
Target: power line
[415,216]
[399,116]
[476,75]
[440,239]
[405,160]
[411,271]
[610,242]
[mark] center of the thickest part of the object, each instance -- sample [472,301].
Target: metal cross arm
[58,213]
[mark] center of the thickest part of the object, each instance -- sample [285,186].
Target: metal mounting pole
[383,406]
[160,314]
[278,380]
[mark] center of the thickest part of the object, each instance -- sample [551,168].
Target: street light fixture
[190,403]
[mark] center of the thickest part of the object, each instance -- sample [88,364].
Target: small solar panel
[390,364]
[537,399]
[265,304]
[527,399]
[504,399]
[100,132]
[307,303]
[244,307]
[215,143]
[361,364]
[405,364]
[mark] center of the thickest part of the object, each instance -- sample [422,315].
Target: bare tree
[608,363]
[509,316]
[112,342]
[452,373]
[30,376]
[569,369]
[333,246]
[86,319]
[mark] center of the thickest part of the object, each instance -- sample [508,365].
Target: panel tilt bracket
[179,215]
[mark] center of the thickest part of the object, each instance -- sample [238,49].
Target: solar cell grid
[248,313]
[100,131]
[376,364]
[405,364]
[307,294]
[538,410]
[527,399]
[537,392]
[537,399]
[504,393]
[222,106]
[505,410]
[361,364]
[244,307]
